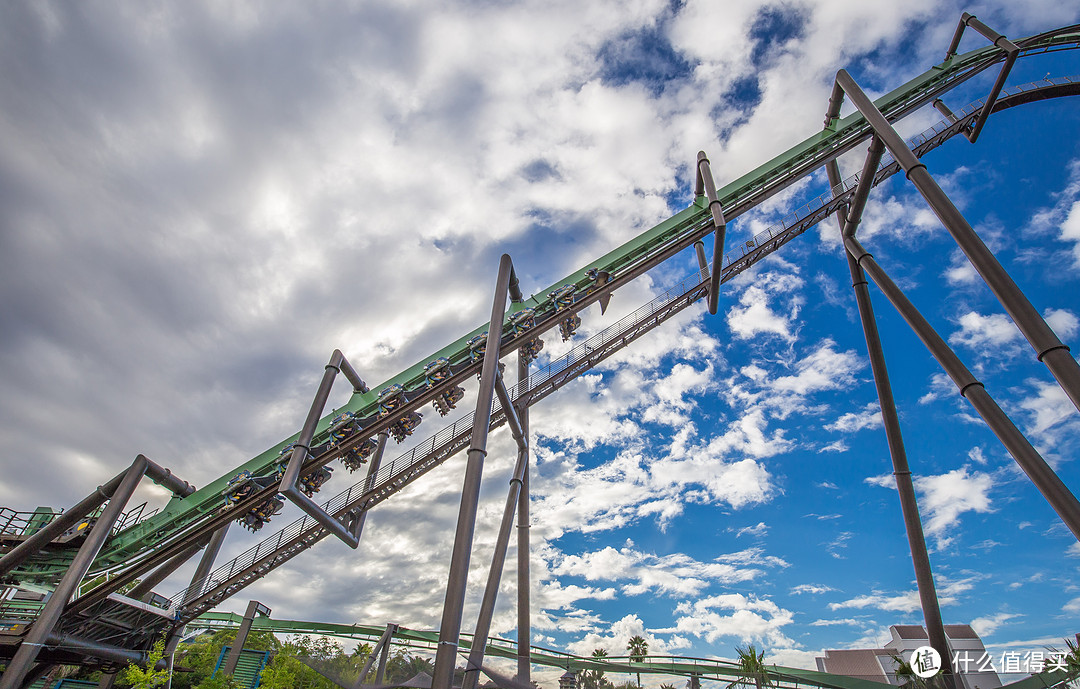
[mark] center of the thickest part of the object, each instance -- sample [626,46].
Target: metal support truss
[290,488]
[254,608]
[498,558]
[84,507]
[41,630]
[360,514]
[450,628]
[1049,484]
[524,606]
[382,649]
[707,186]
[924,576]
[1049,349]
[1012,51]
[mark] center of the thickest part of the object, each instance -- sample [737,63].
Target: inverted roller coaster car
[256,517]
[437,371]
[448,400]
[405,426]
[354,457]
[531,349]
[342,427]
[477,346]
[390,398]
[311,483]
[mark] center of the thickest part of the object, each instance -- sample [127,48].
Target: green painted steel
[705,668]
[633,257]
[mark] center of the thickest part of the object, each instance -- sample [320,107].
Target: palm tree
[751,663]
[905,674]
[637,649]
[594,679]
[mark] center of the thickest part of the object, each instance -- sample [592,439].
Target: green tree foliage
[752,668]
[195,661]
[594,679]
[149,677]
[637,648]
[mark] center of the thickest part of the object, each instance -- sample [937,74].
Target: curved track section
[702,668]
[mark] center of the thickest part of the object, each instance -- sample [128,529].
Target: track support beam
[290,480]
[1049,484]
[43,626]
[1012,51]
[707,186]
[909,507]
[450,628]
[1048,348]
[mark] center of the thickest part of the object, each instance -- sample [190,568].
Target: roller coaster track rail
[703,668]
[391,478]
[148,541]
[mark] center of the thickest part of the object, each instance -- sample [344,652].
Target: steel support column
[360,519]
[202,571]
[1049,349]
[1048,483]
[450,628]
[705,184]
[383,642]
[924,576]
[254,608]
[1012,51]
[43,626]
[84,507]
[302,447]
[524,606]
[498,559]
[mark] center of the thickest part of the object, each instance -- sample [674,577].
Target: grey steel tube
[1011,53]
[1048,483]
[384,655]
[384,640]
[909,507]
[58,526]
[498,560]
[359,386]
[954,44]
[253,608]
[303,442]
[146,584]
[524,607]
[165,478]
[97,649]
[450,628]
[1049,349]
[302,447]
[206,563]
[510,411]
[862,191]
[719,229]
[357,528]
[703,263]
[940,106]
[43,626]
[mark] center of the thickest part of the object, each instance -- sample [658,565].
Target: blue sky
[201,202]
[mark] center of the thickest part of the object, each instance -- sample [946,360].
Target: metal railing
[423,452]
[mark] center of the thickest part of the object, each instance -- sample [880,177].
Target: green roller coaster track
[704,668]
[138,547]
[680,231]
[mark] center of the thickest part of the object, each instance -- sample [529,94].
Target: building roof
[860,662]
[960,631]
[913,631]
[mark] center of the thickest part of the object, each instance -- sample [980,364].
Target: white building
[971,660]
